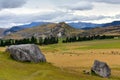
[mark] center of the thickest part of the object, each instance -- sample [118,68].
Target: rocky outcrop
[26,53]
[48,30]
[101,69]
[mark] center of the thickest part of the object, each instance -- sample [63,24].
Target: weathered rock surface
[101,69]
[26,53]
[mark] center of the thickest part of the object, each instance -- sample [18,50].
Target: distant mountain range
[21,27]
[114,23]
[53,29]
[84,25]
[110,30]
[78,25]
[33,28]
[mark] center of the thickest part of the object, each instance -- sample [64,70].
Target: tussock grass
[79,56]
[70,60]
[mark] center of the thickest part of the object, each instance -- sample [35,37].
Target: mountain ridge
[63,29]
[21,27]
[77,25]
[114,23]
[53,29]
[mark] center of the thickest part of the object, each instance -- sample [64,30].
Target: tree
[40,41]
[33,40]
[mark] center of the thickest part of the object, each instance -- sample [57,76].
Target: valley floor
[70,58]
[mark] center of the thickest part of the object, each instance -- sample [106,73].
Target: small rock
[86,72]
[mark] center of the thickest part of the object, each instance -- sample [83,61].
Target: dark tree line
[32,40]
[86,38]
[51,40]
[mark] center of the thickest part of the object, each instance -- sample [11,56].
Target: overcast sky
[16,12]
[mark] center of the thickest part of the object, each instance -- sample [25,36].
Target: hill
[62,30]
[53,29]
[86,26]
[21,27]
[110,30]
[77,25]
[114,23]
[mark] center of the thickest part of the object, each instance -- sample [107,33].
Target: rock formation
[101,69]
[26,53]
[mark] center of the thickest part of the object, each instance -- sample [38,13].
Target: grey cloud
[70,17]
[9,18]
[81,5]
[106,1]
[117,16]
[11,3]
[58,16]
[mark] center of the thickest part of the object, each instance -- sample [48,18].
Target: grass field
[65,62]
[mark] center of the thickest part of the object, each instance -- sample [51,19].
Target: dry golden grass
[73,58]
[84,58]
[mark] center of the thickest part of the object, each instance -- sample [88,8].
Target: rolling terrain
[53,29]
[110,30]
[22,27]
[70,60]
[65,30]
[62,30]
[77,25]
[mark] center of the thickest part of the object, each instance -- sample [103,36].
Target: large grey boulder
[101,69]
[26,53]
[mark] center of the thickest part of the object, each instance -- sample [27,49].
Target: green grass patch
[101,44]
[13,70]
[95,44]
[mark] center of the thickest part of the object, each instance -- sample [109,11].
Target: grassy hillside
[70,60]
[52,29]
[110,30]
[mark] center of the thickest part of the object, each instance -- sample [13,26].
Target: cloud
[27,11]
[107,1]
[11,19]
[70,17]
[11,4]
[81,5]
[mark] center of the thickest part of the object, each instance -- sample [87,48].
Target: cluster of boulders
[32,53]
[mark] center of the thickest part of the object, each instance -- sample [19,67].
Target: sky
[18,12]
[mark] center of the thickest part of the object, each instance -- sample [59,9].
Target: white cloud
[83,5]
[107,1]
[15,12]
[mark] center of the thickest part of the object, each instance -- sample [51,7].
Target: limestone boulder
[101,69]
[26,53]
